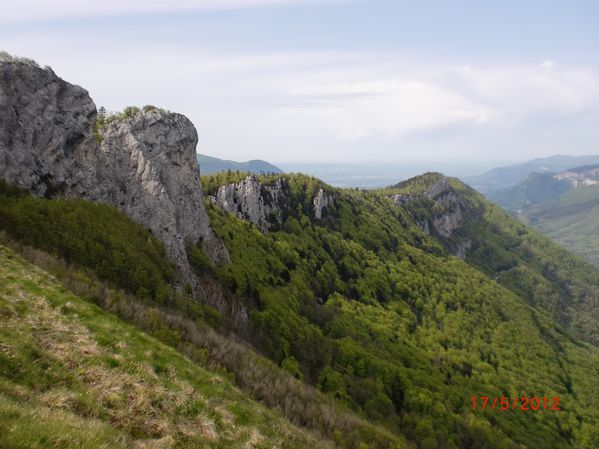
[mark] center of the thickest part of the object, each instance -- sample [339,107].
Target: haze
[336,81]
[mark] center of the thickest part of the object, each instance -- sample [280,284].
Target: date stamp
[522,403]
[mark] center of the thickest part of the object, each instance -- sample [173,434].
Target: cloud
[35,10]
[331,105]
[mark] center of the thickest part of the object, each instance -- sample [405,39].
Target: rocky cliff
[145,165]
[447,215]
[265,203]
[250,200]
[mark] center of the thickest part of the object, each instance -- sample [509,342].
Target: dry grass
[67,365]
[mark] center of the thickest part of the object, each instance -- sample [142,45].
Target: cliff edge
[144,164]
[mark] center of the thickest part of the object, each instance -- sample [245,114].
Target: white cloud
[331,105]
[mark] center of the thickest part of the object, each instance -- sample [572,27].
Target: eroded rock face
[264,204]
[446,222]
[321,201]
[145,165]
[252,201]
[46,143]
[150,172]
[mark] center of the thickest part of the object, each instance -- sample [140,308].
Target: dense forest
[380,315]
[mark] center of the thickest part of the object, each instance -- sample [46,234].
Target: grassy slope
[83,241]
[72,375]
[406,334]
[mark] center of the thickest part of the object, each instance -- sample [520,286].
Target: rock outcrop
[46,139]
[320,202]
[145,165]
[264,204]
[250,200]
[448,218]
[150,172]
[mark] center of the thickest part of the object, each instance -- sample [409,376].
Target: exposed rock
[463,248]
[400,199]
[264,204]
[146,165]
[46,143]
[250,200]
[150,171]
[448,220]
[452,218]
[321,201]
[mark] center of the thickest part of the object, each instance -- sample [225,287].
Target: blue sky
[336,80]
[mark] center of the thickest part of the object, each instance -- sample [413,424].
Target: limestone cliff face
[449,217]
[320,202]
[264,204]
[149,170]
[145,165]
[250,200]
[46,143]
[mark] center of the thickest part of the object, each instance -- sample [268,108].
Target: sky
[335,80]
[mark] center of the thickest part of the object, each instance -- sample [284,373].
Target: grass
[72,375]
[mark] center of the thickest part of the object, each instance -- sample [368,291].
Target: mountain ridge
[210,165]
[510,175]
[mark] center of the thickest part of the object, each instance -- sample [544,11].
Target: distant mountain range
[502,177]
[210,164]
[563,206]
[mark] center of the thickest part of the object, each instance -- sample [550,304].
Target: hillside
[571,219]
[72,376]
[503,177]
[535,189]
[211,164]
[563,206]
[362,298]
[319,316]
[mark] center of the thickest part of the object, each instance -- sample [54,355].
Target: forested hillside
[369,304]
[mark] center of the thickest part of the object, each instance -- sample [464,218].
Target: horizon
[319,81]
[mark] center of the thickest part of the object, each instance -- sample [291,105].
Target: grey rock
[150,172]
[46,143]
[145,165]
[264,204]
[462,248]
[452,219]
[252,201]
[446,222]
[321,201]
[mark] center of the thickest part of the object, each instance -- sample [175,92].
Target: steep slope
[502,177]
[74,376]
[571,219]
[144,163]
[356,292]
[211,164]
[96,240]
[535,189]
[538,270]
[563,206]
[367,303]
